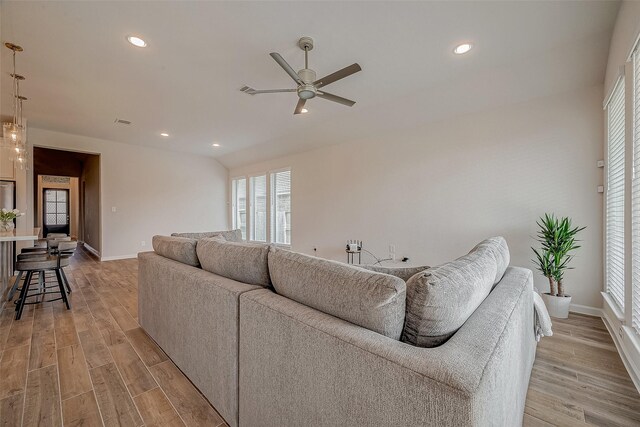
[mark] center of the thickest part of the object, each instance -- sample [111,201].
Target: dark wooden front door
[56,211]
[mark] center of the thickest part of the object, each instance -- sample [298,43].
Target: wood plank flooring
[579,379]
[94,365]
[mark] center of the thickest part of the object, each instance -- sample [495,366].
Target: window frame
[250,217]
[249,237]
[234,200]
[272,206]
[633,92]
[615,294]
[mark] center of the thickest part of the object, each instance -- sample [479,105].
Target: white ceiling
[82,74]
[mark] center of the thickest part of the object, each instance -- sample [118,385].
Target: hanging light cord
[15,91]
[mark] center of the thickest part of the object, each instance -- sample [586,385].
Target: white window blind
[281,207]
[239,197]
[258,189]
[635,197]
[614,258]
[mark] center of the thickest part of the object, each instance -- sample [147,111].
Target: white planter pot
[557,306]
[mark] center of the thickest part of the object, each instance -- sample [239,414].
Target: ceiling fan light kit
[306,79]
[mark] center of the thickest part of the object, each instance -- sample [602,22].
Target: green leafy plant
[9,214]
[557,238]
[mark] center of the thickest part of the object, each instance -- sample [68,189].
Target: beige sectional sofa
[319,342]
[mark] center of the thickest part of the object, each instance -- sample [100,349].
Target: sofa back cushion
[231,235]
[405,273]
[441,299]
[372,300]
[243,262]
[179,249]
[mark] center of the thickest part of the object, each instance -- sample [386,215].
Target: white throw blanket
[542,321]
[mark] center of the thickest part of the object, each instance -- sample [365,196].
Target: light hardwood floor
[94,365]
[579,379]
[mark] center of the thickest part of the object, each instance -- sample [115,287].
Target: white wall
[437,190]
[153,191]
[624,35]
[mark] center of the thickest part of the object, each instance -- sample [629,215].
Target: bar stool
[41,263]
[52,245]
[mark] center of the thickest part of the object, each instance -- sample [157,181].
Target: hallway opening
[67,195]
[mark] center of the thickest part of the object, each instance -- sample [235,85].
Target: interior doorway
[67,195]
[55,211]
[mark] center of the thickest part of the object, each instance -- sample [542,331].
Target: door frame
[65,228]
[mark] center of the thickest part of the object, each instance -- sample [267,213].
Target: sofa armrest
[312,360]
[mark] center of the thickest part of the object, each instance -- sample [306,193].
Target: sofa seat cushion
[179,249]
[243,262]
[441,299]
[369,299]
[231,235]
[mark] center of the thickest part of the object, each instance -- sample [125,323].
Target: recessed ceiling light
[164,134]
[462,48]
[136,41]
[304,110]
[215,145]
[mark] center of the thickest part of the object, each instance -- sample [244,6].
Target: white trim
[585,309]
[634,46]
[625,334]
[620,78]
[118,257]
[90,249]
[613,306]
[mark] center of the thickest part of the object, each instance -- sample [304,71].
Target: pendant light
[12,132]
[21,149]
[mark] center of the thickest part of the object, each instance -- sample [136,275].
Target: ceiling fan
[308,86]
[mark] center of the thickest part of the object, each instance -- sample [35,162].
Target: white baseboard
[625,342]
[90,249]
[117,257]
[585,309]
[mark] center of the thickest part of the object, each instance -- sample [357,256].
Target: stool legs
[27,282]
[23,295]
[66,282]
[14,288]
[61,286]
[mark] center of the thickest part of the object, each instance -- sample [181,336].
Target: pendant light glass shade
[14,136]
[22,153]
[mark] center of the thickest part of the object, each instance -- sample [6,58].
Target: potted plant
[557,237]
[6,218]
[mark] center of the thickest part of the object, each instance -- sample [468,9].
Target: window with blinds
[261,207]
[614,214]
[239,201]
[635,196]
[258,191]
[281,207]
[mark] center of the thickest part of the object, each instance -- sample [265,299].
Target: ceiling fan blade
[336,98]
[299,106]
[285,65]
[340,74]
[252,91]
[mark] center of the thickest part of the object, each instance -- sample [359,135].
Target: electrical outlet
[143,243]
